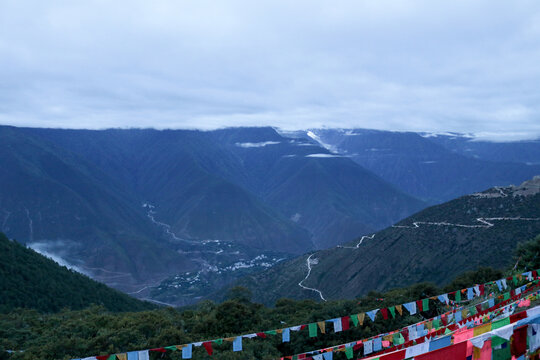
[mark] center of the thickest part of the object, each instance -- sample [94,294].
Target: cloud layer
[467,66]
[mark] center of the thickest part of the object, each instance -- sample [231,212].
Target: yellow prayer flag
[479,330]
[322,326]
[399,309]
[121,356]
[361,318]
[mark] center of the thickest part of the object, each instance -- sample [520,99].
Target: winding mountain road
[484,223]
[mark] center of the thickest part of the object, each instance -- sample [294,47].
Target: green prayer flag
[354,319]
[498,351]
[458,296]
[271,332]
[398,339]
[447,331]
[497,341]
[349,352]
[436,323]
[171,348]
[472,310]
[425,304]
[506,296]
[500,323]
[515,280]
[392,311]
[112,357]
[501,354]
[312,329]
[218,341]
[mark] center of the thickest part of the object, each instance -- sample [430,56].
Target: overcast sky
[466,66]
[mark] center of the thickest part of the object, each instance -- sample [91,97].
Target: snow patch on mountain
[323,156]
[257,145]
[315,137]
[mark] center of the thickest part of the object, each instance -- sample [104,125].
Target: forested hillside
[30,280]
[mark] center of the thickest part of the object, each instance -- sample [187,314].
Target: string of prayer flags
[405,335]
[408,333]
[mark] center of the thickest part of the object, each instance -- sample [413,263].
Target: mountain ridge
[457,232]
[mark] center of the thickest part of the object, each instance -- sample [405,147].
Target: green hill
[434,245]
[30,280]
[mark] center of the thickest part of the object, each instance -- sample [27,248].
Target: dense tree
[527,255]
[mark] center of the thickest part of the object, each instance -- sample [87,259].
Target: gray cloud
[467,66]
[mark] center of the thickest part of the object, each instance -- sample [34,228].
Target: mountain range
[435,245]
[433,167]
[133,207]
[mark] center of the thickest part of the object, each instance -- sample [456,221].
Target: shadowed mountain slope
[435,244]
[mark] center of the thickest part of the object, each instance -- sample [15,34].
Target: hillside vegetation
[30,280]
[95,330]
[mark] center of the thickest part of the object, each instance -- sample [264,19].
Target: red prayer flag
[405,333]
[518,316]
[262,335]
[102,357]
[519,341]
[345,323]
[419,305]
[208,346]
[398,355]
[384,312]
[453,352]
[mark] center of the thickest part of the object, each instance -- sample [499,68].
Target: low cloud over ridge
[394,65]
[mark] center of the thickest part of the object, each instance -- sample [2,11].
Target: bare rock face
[528,188]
